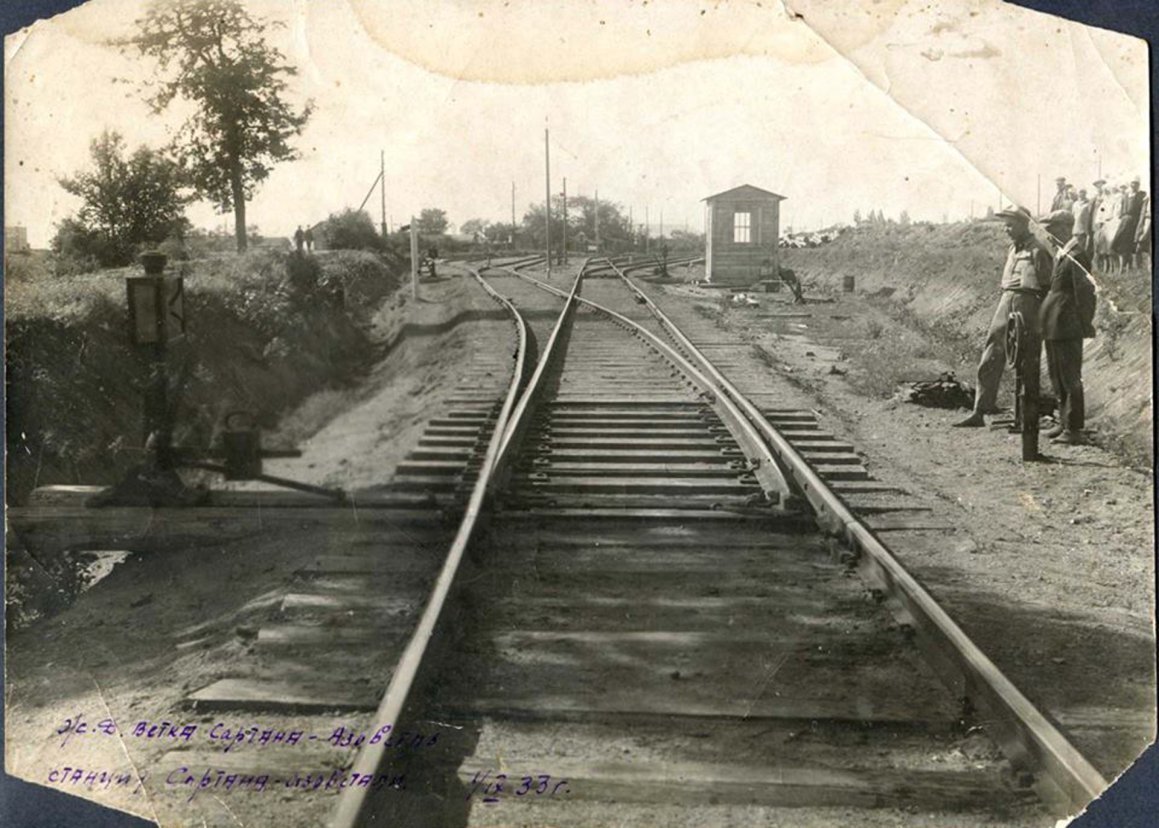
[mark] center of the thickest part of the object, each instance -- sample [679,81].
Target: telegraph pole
[547,202]
[564,254]
[647,231]
[632,226]
[597,221]
[512,215]
[382,188]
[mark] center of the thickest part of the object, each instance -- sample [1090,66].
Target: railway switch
[156,318]
[241,443]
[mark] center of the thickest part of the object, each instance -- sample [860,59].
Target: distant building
[16,239]
[741,233]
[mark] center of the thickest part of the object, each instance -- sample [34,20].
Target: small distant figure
[1083,215]
[1062,197]
[432,254]
[789,278]
[299,239]
[308,236]
[1143,235]
[1104,222]
[1123,240]
[1136,203]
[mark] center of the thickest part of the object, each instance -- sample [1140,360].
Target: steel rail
[352,800]
[518,422]
[1064,778]
[767,467]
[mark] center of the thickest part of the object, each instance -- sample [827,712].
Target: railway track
[650,619]
[596,592]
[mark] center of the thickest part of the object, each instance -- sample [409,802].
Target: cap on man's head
[1136,180]
[1060,180]
[1099,181]
[1014,215]
[1057,219]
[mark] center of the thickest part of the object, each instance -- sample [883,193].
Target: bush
[349,230]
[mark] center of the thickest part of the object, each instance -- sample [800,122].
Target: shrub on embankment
[265,330]
[943,280]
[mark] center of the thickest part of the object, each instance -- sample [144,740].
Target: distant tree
[497,233]
[474,227]
[615,229]
[903,219]
[686,242]
[350,230]
[432,221]
[212,54]
[989,212]
[857,217]
[128,201]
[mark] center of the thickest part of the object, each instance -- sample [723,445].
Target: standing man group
[1050,287]
[304,239]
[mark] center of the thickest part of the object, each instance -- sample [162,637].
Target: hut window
[742,228]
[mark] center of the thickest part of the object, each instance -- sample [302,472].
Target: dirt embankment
[265,331]
[942,280]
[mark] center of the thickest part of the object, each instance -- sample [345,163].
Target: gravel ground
[1051,566]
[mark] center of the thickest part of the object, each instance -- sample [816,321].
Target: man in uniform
[1025,279]
[1062,327]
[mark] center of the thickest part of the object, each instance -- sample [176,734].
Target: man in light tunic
[1025,279]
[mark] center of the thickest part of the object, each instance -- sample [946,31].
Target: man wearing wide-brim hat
[1025,279]
[1066,319]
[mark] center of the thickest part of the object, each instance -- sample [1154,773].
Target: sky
[936,109]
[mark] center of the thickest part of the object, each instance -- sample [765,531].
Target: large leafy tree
[128,200]
[213,54]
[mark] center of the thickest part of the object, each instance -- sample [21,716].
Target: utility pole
[414,259]
[382,188]
[632,226]
[597,221]
[547,200]
[647,231]
[564,254]
[661,224]
[512,215]
[1038,197]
